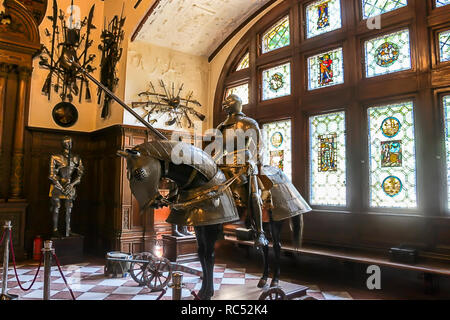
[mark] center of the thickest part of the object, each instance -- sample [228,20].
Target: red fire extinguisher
[37,246]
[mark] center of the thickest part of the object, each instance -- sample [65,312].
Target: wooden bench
[430,269]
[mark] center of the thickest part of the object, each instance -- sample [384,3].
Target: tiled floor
[88,282]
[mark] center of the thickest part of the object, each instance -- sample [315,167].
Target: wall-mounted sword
[123,104]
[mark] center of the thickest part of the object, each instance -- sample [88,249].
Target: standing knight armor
[243,157]
[66,171]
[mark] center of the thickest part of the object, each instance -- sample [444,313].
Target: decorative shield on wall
[65,114]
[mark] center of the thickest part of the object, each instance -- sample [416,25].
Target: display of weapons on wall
[68,40]
[112,37]
[169,103]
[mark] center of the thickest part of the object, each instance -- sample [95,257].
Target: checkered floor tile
[88,282]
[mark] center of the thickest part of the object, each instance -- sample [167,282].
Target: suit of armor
[66,171]
[243,153]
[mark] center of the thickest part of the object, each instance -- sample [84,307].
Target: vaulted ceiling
[196,27]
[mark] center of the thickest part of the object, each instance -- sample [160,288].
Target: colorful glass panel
[327,160]
[277,145]
[326,69]
[446,103]
[241,91]
[276,82]
[372,8]
[391,153]
[444,46]
[328,152]
[388,53]
[441,3]
[244,63]
[278,36]
[323,16]
[392,176]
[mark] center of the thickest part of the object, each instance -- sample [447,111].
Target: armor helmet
[67,142]
[232,104]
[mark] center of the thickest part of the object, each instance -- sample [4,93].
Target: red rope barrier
[195,295]
[162,294]
[3,236]
[15,268]
[64,278]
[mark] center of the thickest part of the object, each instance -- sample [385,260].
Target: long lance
[123,104]
[88,31]
[55,25]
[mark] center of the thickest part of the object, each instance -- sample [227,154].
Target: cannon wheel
[275,293]
[158,273]
[137,269]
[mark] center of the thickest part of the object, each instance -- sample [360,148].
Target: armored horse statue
[203,198]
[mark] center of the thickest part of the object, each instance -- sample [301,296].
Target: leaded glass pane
[323,16]
[444,45]
[326,69]
[276,82]
[446,101]
[392,156]
[241,91]
[278,145]
[373,8]
[441,3]
[278,36]
[327,160]
[388,53]
[244,63]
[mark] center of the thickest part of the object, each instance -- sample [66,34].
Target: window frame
[304,28]
[260,81]
[319,51]
[267,28]
[308,189]
[366,172]
[385,14]
[394,74]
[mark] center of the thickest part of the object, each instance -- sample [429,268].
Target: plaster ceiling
[196,27]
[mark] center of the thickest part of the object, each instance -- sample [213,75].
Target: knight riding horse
[204,198]
[263,194]
[246,155]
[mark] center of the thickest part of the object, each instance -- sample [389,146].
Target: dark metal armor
[243,149]
[66,171]
[200,206]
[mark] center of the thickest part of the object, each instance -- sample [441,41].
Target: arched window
[355,87]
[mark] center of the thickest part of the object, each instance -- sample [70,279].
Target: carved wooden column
[16,178]
[19,43]
[3,77]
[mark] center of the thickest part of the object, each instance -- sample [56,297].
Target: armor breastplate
[240,150]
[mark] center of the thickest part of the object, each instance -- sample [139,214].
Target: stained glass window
[244,63]
[441,3]
[326,69]
[373,8]
[446,101]
[444,46]
[278,36]
[241,91]
[327,160]
[276,82]
[323,16]
[392,178]
[388,53]
[277,145]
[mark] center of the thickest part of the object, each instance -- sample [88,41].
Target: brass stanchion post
[48,254]
[177,285]
[7,233]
